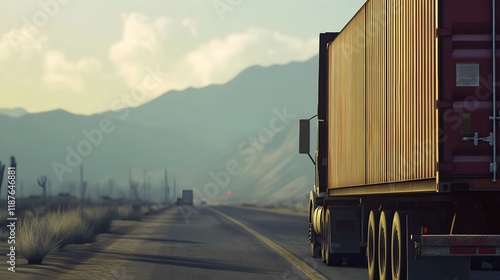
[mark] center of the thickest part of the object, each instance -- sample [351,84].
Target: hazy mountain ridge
[191,133]
[13,113]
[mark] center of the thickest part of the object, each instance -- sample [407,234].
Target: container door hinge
[476,139]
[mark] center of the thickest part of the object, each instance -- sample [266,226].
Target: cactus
[2,170]
[167,188]
[42,182]
[13,163]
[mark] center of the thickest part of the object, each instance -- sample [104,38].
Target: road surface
[186,243]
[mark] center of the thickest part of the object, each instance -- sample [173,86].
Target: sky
[92,56]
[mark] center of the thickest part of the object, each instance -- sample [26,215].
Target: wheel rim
[327,237]
[396,252]
[382,250]
[371,246]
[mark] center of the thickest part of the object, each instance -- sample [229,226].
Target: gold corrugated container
[382,91]
[376,84]
[347,111]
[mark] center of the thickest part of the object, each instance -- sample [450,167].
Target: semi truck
[406,175]
[187,197]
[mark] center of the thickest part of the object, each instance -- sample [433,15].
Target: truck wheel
[384,245]
[330,258]
[398,245]
[315,242]
[371,245]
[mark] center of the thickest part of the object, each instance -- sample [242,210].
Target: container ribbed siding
[382,93]
[346,155]
[376,84]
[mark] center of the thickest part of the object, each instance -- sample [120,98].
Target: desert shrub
[155,208]
[39,235]
[28,214]
[70,227]
[99,217]
[127,212]
[35,240]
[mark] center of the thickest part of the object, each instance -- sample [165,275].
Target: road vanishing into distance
[219,242]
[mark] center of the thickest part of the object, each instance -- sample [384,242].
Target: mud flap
[345,229]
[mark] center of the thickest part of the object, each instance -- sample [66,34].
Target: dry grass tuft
[35,240]
[70,227]
[127,212]
[99,217]
[39,234]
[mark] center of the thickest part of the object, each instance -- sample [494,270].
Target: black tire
[330,258]
[314,239]
[384,245]
[315,242]
[398,246]
[323,239]
[371,245]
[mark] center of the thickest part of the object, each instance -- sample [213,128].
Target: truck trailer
[187,197]
[406,176]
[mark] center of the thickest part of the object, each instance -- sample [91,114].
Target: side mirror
[304,136]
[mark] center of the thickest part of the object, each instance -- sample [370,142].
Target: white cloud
[153,42]
[61,72]
[220,59]
[139,47]
[21,43]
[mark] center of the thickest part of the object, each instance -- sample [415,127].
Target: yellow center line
[296,262]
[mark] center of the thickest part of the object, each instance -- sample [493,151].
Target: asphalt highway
[218,242]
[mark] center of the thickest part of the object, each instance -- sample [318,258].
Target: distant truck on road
[187,197]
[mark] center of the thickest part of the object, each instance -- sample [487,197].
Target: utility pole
[148,186]
[83,184]
[175,191]
[166,187]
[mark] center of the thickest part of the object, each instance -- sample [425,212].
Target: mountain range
[241,136]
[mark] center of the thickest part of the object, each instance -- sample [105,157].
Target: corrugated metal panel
[396,87]
[346,105]
[376,84]
[411,89]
